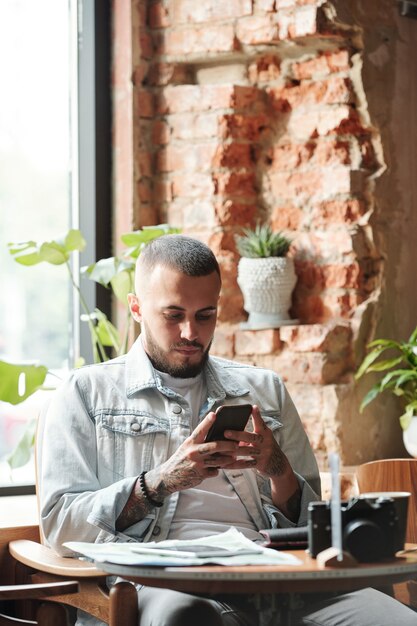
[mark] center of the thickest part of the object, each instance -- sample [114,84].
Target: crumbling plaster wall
[296,111]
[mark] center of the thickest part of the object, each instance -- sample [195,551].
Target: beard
[161,361]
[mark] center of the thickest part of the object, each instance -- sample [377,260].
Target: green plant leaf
[18,381]
[21,454]
[406,376]
[381,366]
[413,337]
[385,343]
[54,253]
[107,333]
[102,271]
[371,395]
[368,360]
[74,241]
[122,284]
[25,253]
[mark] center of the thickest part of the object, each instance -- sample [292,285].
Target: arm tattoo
[277,463]
[134,510]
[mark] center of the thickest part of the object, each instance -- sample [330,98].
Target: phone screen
[232,417]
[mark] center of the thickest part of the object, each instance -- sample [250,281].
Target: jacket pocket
[127,442]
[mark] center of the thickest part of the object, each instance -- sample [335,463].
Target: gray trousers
[367,607]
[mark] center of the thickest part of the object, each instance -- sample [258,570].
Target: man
[125,456]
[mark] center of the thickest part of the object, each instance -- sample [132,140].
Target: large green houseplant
[19,381]
[266,276]
[397,360]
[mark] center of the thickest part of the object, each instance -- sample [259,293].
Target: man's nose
[188,330]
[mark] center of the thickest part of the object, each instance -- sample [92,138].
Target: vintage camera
[369,528]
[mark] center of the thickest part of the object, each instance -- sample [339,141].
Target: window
[55,169]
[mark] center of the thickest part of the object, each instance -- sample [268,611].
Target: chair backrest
[38,461]
[393,475]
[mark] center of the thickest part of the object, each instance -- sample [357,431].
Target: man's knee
[161,607]
[367,607]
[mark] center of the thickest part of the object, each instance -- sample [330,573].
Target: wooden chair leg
[123,605]
[51,614]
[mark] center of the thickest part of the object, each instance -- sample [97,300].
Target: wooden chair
[47,614]
[395,475]
[36,563]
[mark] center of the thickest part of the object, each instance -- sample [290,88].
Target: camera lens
[363,539]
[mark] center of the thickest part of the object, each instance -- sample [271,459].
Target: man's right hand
[196,460]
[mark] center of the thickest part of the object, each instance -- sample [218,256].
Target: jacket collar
[140,375]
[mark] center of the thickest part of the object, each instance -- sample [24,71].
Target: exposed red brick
[144,161]
[343,276]
[193,40]
[158,15]
[324,64]
[307,308]
[162,190]
[286,217]
[140,73]
[257,342]
[189,98]
[144,190]
[192,185]
[146,45]
[311,183]
[145,103]
[235,184]
[223,341]
[258,29]
[331,338]
[233,156]
[161,74]
[310,275]
[335,90]
[291,155]
[185,157]
[160,133]
[338,211]
[231,213]
[341,304]
[304,22]
[194,126]
[312,368]
[191,12]
[265,69]
[249,127]
[320,122]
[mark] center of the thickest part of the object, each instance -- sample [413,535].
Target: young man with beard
[125,456]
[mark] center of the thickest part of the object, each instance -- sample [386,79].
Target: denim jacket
[108,422]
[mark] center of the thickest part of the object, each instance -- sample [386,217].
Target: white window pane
[34,190]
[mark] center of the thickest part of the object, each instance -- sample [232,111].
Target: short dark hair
[185,254]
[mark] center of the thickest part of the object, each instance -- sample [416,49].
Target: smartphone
[232,417]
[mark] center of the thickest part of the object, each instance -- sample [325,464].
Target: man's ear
[134,307]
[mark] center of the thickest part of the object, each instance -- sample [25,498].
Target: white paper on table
[232,540]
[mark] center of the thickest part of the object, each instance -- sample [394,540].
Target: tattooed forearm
[135,509]
[277,463]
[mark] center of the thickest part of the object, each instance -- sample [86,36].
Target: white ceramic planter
[267,286]
[410,437]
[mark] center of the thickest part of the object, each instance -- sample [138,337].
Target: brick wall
[255,109]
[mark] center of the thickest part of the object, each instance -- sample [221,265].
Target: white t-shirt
[213,506]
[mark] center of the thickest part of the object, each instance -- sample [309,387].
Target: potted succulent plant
[400,379]
[266,276]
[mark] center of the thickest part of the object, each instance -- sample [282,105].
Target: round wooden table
[307,577]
